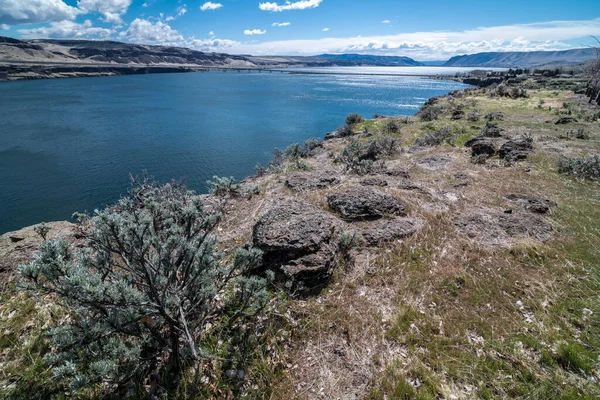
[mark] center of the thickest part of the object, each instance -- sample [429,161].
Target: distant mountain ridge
[97,52]
[372,59]
[529,59]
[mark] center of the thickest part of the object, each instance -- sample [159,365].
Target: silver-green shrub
[141,291]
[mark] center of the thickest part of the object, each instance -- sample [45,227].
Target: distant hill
[371,59]
[523,59]
[107,52]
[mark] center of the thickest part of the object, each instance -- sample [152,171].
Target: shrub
[429,112]
[436,138]
[581,167]
[391,125]
[142,290]
[495,116]
[354,118]
[345,131]
[473,116]
[42,230]
[360,157]
[491,129]
[223,187]
[289,159]
[346,242]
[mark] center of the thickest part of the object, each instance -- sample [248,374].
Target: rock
[565,120]
[387,230]
[374,181]
[407,185]
[397,171]
[298,239]
[361,203]
[494,227]
[307,181]
[530,203]
[483,147]
[434,162]
[516,150]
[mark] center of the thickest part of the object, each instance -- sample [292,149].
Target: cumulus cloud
[287,6]
[325,29]
[67,30]
[144,31]
[111,10]
[439,45]
[4,27]
[179,12]
[254,32]
[280,24]
[210,45]
[209,5]
[15,12]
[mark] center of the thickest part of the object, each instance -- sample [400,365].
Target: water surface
[69,145]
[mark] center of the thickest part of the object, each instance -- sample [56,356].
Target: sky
[423,30]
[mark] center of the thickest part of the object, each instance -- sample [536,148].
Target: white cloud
[325,29]
[254,32]
[386,21]
[210,45]
[179,12]
[15,12]
[298,5]
[439,44]
[280,24]
[211,33]
[144,31]
[67,30]
[4,27]
[112,10]
[209,5]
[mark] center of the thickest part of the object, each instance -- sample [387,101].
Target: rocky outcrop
[530,203]
[308,181]
[482,147]
[365,203]
[387,230]
[515,150]
[495,227]
[298,241]
[374,181]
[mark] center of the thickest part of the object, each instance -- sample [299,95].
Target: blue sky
[424,30]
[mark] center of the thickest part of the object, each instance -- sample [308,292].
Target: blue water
[69,145]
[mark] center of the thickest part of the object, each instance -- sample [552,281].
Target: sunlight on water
[69,145]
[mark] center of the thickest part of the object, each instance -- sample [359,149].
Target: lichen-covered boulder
[365,203]
[309,181]
[530,203]
[516,150]
[298,240]
[387,230]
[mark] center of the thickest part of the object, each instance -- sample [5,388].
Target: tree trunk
[174,363]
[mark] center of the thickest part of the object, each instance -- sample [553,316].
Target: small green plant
[42,230]
[354,118]
[479,159]
[346,242]
[429,112]
[473,116]
[436,138]
[345,131]
[223,186]
[581,167]
[391,125]
[360,157]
